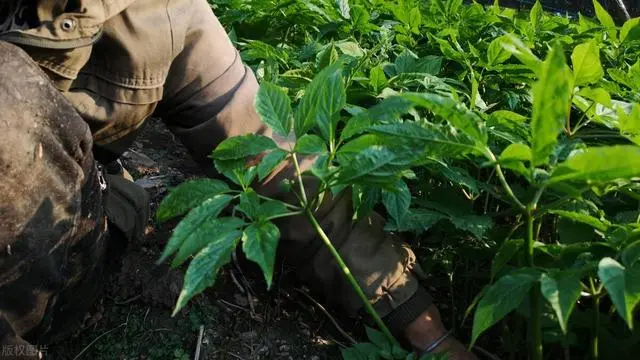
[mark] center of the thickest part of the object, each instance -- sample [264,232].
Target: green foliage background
[511,137]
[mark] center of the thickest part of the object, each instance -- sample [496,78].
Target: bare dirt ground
[239,318]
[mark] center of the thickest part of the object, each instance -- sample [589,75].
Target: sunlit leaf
[599,165]
[274,107]
[586,63]
[551,104]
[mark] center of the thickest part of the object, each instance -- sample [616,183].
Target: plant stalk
[535,330]
[595,351]
[354,283]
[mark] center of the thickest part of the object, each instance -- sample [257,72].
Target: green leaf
[629,25]
[631,255]
[599,165]
[343,7]
[583,218]
[310,144]
[271,208]
[536,15]
[516,152]
[501,298]
[433,140]
[365,351]
[378,339]
[454,112]
[270,162]
[496,53]
[551,104]
[623,286]
[415,20]
[562,291]
[188,195]
[274,107]
[207,211]
[397,201]
[249,204]
[327,57]
[416,220]
[518,49]
[259,243]
[605,19]
[350,48]
[204,268]
[387,110]
[586,63]
[377,79]
[240,147]
[322,101]
[598,95]
[506,252]
[222,229]
[365,162]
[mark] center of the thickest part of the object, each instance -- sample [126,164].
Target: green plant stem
[295,213]
[303,192]
[535,330]
[596,321]
[354,283]
[503,180]
[290,206]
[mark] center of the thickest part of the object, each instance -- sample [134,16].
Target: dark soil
[239,318]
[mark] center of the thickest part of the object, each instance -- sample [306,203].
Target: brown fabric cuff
[400,318]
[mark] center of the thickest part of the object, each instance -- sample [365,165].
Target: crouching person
[78,79]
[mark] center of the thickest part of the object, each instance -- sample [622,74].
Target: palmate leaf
[432,140]
[310,144]
[259,243]
[270,161]
[551,105]
[500,299]
[188,195]
[367,161]
[454,112]
[599,165]
[240,147]
[562,291]
[623,286]
[207,211]
[586,63]
[274,107]
[204,267]
[322,100]
[388,110]
[222,229]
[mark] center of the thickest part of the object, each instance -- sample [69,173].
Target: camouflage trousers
[54,233]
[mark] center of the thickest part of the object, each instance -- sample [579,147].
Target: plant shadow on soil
[132,318]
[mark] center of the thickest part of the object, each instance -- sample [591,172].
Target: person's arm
[209,97]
